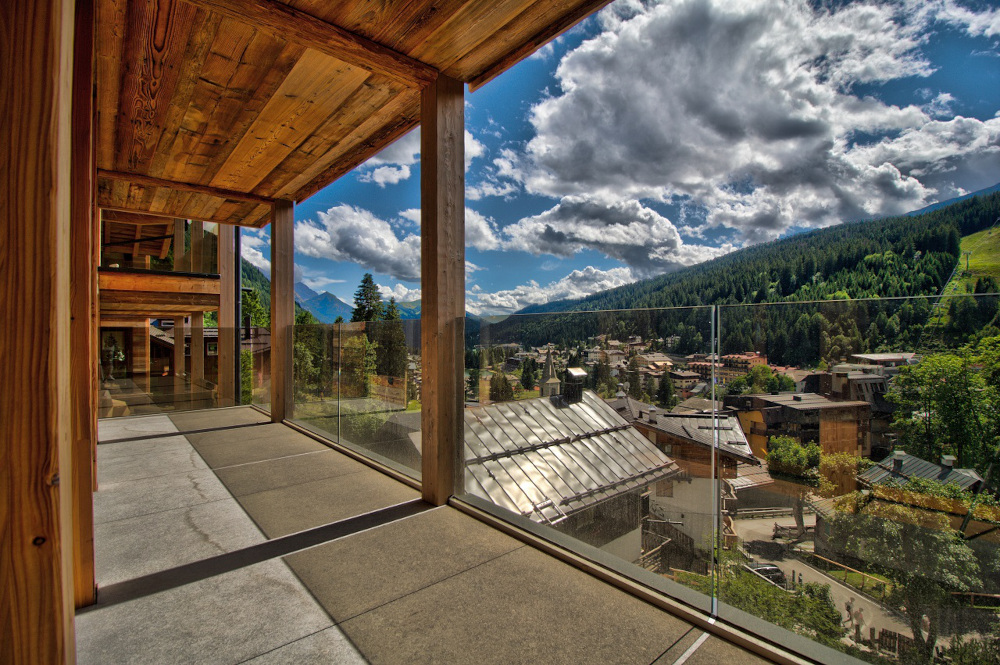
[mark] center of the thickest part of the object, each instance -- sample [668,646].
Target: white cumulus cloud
[577,284]
[748,111]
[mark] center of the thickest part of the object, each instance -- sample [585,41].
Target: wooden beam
[229,277]
[36,476]
[170,285]
[150,181]
[442,275]
[306,30]
[83,303]
[200,218]
[135,218]
[547,34]
[282,309]
[152,302]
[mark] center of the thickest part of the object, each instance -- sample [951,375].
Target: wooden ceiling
[210,109]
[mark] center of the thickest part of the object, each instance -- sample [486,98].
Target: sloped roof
[914,467]
[546,459]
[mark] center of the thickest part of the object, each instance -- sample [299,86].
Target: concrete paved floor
[437,586]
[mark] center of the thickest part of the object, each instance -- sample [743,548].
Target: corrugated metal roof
[546,459]
[914,467]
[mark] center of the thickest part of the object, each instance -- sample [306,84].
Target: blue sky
[658,135]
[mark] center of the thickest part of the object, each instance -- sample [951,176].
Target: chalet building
[688,439]
[836,426]
[887,363]
[684,382]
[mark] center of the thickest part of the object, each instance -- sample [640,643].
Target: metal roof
[915,467]
[546,459]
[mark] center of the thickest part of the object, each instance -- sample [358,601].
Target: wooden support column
[180,247]
[197,259]
[178,362]
[197,349]
[83,309]
[442,318]
[36,471]
[229,352]
[282,309]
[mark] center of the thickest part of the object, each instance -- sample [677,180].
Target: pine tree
[500,388]
[367,301]
[391,342]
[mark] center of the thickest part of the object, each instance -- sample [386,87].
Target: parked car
[768,571]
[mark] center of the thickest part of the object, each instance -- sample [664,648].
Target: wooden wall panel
[36,478]
[442,277]
[282,309]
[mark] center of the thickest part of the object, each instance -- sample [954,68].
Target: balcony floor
[213,547]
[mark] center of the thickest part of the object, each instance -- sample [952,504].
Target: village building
[836,426]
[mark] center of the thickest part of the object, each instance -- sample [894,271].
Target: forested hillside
[886,258]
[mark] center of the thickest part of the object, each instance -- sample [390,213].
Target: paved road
[874,614]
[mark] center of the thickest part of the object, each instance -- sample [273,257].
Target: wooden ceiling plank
[297,26]
[156,35]
[203,36]
[474,24]
[299,106]
[317,152]
[109,43]
[374,141]
[235,86]
[346,155]
[138,179]
[552,29]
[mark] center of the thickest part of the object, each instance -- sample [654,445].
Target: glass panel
[359,385]
[142,372]
[138,242]
[597,428]
[869,526]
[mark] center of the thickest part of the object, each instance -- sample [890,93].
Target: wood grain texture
[522,37]
[197,348]
[442,276]
[114,281]
[309,31]
[36,479]
[209,190]
[83,335]
[156,35]
[282,309]
[229,277]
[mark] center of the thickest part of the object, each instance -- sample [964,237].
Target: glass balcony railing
[358,384]
[826,467]
[154,366]
[819,473]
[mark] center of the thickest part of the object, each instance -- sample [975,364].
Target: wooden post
[197,350]
[442,319]
[282,309]
[179,362]
[83,305]
[197,259]
[180,246]
[36,452]
[229,277]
